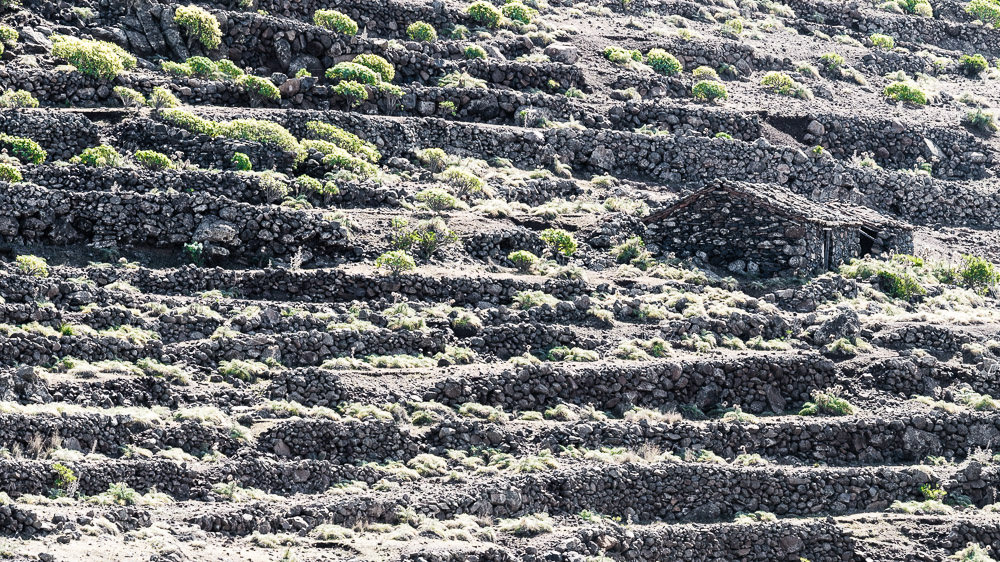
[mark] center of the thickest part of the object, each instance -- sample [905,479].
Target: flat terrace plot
[409,281]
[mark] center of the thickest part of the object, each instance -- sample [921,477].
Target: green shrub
[827,402]
[332,19]
[973,65]
[303,73]
[733,27]
[427,236]
[475,52]
[256,130]
[247,371]
[161,98]
[783,84]
[23,148]
[559,241]
[459,79]
[195,253]
[259,88]
[972,553]
[705,73]
[437,199]
[202,66]
[153,160]
[241,162]
[421,31]
[17,99]
[9,35]
[881,41]
[484,14]
[463,181]
[631,250]
[523,260]
[907,92]
[621,56]
[396,261]
[129,97]
[9,173]
[378,64]
[985,121]
[518,12]
[99,59]
[353,91]
[199,25]
[354,72]
[831,61]
[977,273]
[663,62]
[176,68]
[708,90]
[98,156]
[33,266]
[986,11]
[341,138]
[64,477]
[229,69]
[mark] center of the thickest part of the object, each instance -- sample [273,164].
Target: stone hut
[768,230]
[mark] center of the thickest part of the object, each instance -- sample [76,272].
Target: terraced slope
[279,283]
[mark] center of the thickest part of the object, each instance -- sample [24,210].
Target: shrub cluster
[256,130]
[518,12]
[986,11]
[259,88]
[99,59]
[882,41]
[619,55]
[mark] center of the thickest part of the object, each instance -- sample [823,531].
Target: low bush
[827,402]
[355,92]
[99,59]
[162,98]
[396,261]
[783,84]
[986,11]
[176,68]
[23,148]
[241,162]
[978,274]
[621,56]
[353,71]
[559,241]
[663,62]
[985,121]
[437,199]
[523,260]
[973,65]
[33,266]
[98,156]
[485,14]
[9,173]
[831,61]
[517,11]
[259,89]
[343,139]
[337,21]
[881,41]
[129,97]
[202,67]
[708,90]
[475,52]
[459,79]
[229,69]
[905,92]
[153,160]
[421,31]
[377,64]
[199,24]
[17,99]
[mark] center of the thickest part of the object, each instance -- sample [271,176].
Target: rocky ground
[221,349]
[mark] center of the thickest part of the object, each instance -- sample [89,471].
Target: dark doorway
[867,240]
